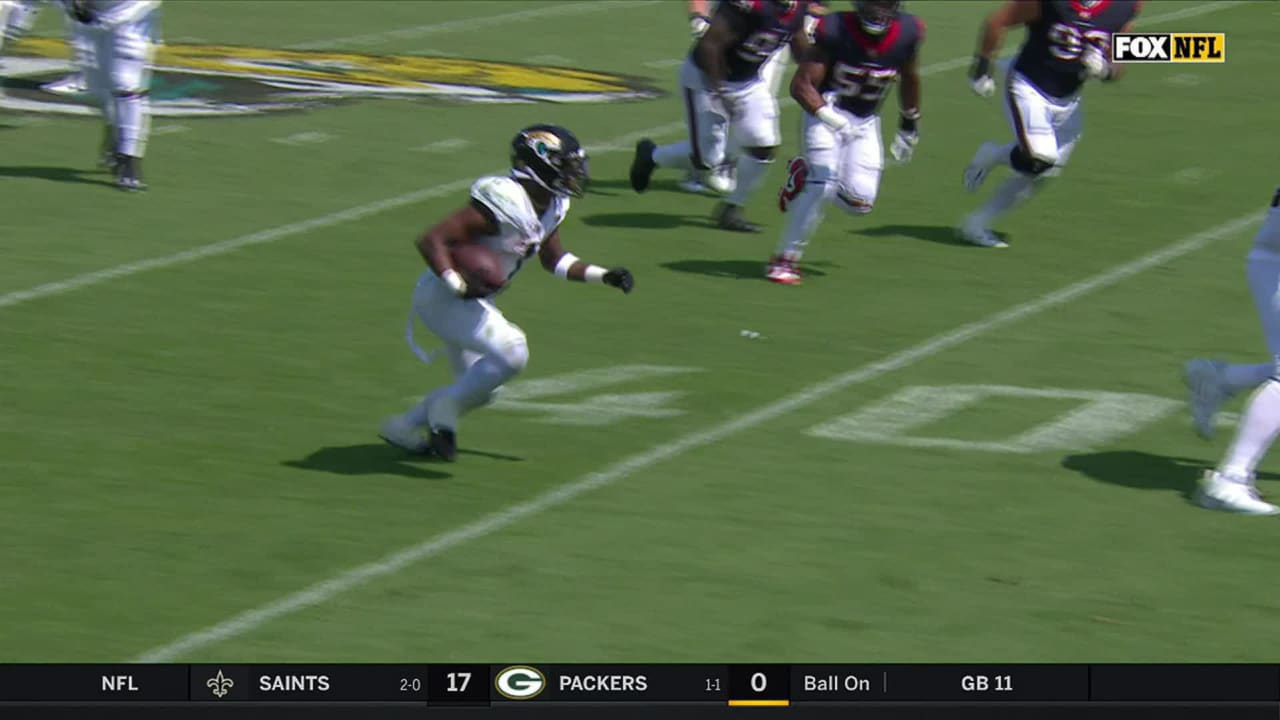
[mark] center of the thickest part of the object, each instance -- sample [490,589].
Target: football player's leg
[1034,153]
[757,133]
[811,181]
[130,81]
[1230,487]
[485,349]
[81,40]
[708,124]
[96,45]
[1210,383]
[860,169]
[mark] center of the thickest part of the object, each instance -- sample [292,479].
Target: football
[480,267]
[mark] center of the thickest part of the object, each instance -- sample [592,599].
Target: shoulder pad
[506,200]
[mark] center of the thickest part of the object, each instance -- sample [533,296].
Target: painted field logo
[212,80]
[1169,47]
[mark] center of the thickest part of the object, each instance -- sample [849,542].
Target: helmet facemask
[876,16]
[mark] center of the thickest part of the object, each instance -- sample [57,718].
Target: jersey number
[760,46]
[862,82]
[1067,42]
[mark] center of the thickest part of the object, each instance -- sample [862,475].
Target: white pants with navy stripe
[1046,128]
[748,110]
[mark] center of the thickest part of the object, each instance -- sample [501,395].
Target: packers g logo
[220,80]
[520,682]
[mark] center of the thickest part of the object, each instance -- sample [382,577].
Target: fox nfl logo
[1169,47]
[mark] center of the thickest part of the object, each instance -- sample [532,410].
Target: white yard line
[470,24]
[281,232]
[490,524]
[312,137]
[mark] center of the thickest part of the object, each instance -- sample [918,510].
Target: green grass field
[191,439]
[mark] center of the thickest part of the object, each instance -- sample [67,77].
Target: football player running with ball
[515,218]
[1231,486]
[725,91]
[1068,42]
[855,58]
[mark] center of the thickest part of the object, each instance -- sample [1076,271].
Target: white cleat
[72,84]
[980,235]
[979,167]
[1218,492]
[398,431]
[1206,392]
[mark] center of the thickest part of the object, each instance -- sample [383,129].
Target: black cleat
[729,217]
[129,173]
[642,166]
[444,444]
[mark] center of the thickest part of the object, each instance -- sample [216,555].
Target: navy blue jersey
[762,27]
[863,67]
[1050,57]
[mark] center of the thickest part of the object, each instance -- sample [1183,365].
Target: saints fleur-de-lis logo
[220,684]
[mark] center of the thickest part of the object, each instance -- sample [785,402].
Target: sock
[1016,190]
[751,172]
[675,155]
[1240,378]
[1006,155]
[806,213]
[132,120]
[1258,429]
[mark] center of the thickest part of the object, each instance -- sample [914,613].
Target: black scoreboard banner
[723,685]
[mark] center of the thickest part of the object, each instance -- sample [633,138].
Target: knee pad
[1028,164]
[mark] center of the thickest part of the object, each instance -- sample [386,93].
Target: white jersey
[118,12]
[521,231]
[1266,244]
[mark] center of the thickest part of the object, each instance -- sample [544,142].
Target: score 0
[760,685]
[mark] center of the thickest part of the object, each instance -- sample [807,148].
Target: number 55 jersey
[862,67]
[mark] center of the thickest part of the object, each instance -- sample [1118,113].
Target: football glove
[904,143]
[904,146]
[1095,64]
[698,25]
[620,278]
[980,80]
[453,280]
[839,124]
